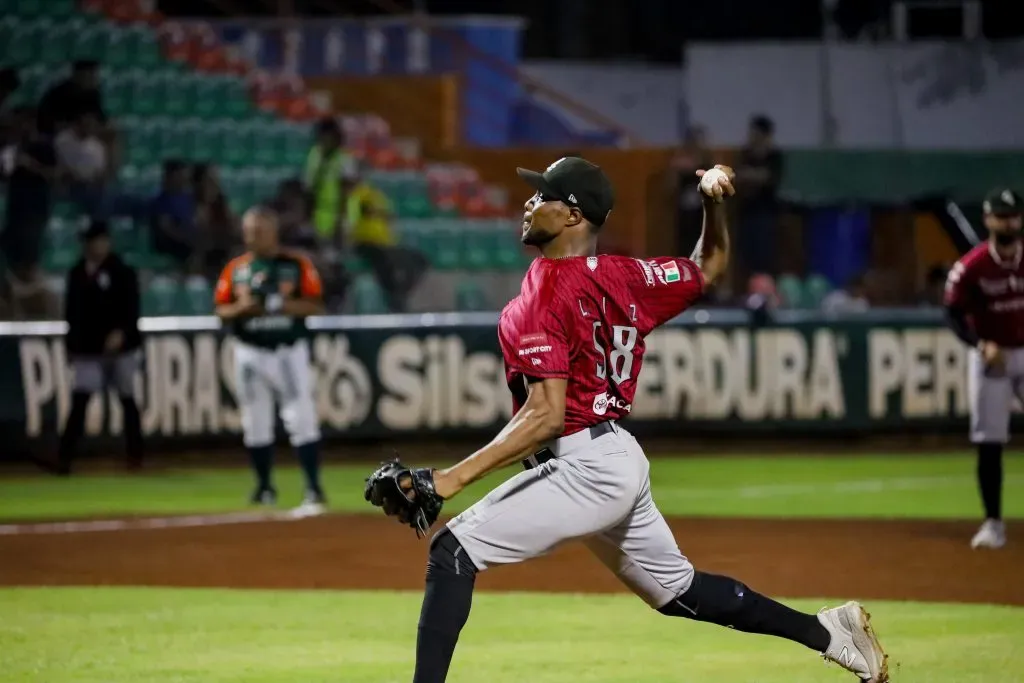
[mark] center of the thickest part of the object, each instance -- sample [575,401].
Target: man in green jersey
[264,297]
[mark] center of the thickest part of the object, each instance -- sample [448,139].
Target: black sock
[132,430]
[73,429]
[309,460]
[990,478]
[727,602]
[446,605]
[262,459]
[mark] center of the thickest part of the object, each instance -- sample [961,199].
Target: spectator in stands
[173,215]
[326,167]
[216,224]
[292,206]
[66,101]
[27,212]
[296,230]
[758,176]
[368,217]
[83,156]
[850,299]
[692,154]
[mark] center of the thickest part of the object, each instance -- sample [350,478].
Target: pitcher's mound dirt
[813,558]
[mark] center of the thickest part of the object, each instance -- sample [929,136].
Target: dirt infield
[862,559]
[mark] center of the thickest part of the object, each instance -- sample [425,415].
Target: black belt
[545,454]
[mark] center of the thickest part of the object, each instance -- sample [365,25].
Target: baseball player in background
[573,344]
[264,297]
[985,307]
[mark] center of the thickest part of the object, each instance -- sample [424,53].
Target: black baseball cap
[575,182]
[1003,201]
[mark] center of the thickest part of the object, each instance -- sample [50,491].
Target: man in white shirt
[84,158]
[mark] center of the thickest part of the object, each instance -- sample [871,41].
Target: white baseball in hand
[710,179]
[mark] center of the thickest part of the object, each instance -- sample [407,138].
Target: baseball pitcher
[573,344]
[985,308]
[264,297]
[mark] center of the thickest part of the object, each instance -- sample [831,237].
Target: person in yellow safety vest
[397,268]
[327,164]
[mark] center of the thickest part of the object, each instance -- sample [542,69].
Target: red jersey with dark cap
[584,319]
[991,292]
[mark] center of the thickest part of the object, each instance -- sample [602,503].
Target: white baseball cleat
[313,505]
[853,644]
[307,510]
[992,535]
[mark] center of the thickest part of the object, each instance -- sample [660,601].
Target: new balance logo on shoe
[847,658]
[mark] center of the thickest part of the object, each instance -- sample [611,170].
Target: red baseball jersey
[585,319]
[991,292]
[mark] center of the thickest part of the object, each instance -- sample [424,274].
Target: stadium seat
[791,291]
[55,42]
[470,296]
[479,245]
[367,296]
[439,244]
[198,296]
[816,288]
[61,245]
[161,296]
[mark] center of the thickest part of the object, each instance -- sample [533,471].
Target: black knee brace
[447,557]
[711,598]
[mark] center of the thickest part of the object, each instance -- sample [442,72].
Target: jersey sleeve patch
[647,270]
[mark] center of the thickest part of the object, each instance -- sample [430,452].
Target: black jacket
[96,305]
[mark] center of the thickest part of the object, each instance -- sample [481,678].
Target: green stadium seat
[816,288]
[55,42]
[354,265]
[441,243]
[479,245]
[124,237]
[90,42]
[170,139]
[269,142]
[117,87]
[211,93]
[367,296]
[414,205]
[120,46]
[146,51]
[178,90]
[197,296]
[237,102]
[61,244]
[470,296]
[236,143]
[52,9]
[161,296]
[791,291]
[23,43]
[298,140]
[508,250]
[203,140]
[147,89]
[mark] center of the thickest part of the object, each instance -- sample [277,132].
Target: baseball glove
[405,493]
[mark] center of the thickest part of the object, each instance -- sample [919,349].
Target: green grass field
[108,635]
[204,636]
[878,486]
